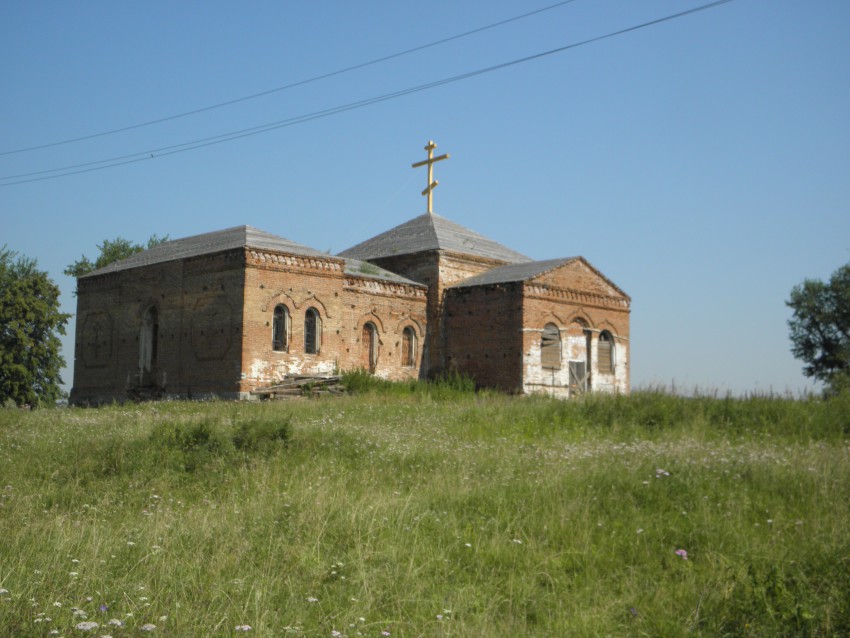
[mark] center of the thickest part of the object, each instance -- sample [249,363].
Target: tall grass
[413,512]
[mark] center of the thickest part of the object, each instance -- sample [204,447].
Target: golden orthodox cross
[432,183]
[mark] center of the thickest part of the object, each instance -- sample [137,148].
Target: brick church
[228,312]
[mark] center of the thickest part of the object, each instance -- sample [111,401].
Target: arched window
[408,347]
[148,341]
[312,331]
[550,348]
[605,353]
[369,347]
[280,329]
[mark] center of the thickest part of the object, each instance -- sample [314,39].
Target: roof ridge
[244,236]
[431,231]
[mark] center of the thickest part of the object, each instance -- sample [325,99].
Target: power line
[288,86]
[300,119]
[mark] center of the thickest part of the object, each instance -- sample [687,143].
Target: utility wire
[300,119]
[289,86]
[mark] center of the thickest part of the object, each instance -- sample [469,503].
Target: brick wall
[582,304]
[197,303]
[438,270]
[484,334]
[214,321]
[344,303]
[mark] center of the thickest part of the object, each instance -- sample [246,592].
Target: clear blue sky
[702,164]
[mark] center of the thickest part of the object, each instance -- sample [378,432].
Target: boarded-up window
[280,329]
[408,347]
[605,353]
[578,376]
[312,331]
[550,348]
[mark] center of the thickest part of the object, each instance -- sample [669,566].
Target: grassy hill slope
[428,514]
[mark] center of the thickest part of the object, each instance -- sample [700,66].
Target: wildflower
[659,473]
[517,541]
[115,623]
[73,574]
[336,634]
[683,553]
[86,626]
[312,599]
[243,628]
[3,591]
[148,627]
[103,607]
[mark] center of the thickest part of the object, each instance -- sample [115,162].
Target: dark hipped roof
[513,272]
[238,237]
[431,232]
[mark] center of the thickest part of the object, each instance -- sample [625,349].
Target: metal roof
[513,272]
[432,232]
[368,270]
[239,237]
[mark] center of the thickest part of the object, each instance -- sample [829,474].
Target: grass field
[415,511]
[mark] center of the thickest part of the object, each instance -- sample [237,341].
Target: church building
[229,312]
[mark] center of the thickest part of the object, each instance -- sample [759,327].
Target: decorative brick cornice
[539,291]
[385,288]
[267,259]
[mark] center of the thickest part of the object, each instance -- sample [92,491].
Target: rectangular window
[578,376]
[550,347]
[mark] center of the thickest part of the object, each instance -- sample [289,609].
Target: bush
[259,434]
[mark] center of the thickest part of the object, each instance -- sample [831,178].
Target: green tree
[110,250]
[820,328]
[30,358]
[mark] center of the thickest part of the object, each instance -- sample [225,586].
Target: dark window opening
[280,329]
[408,347]
[312,331]
[369,347]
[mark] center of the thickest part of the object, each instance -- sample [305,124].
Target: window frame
[281,322]
[606,358]
[551,347]
[408,347]
[314,345]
